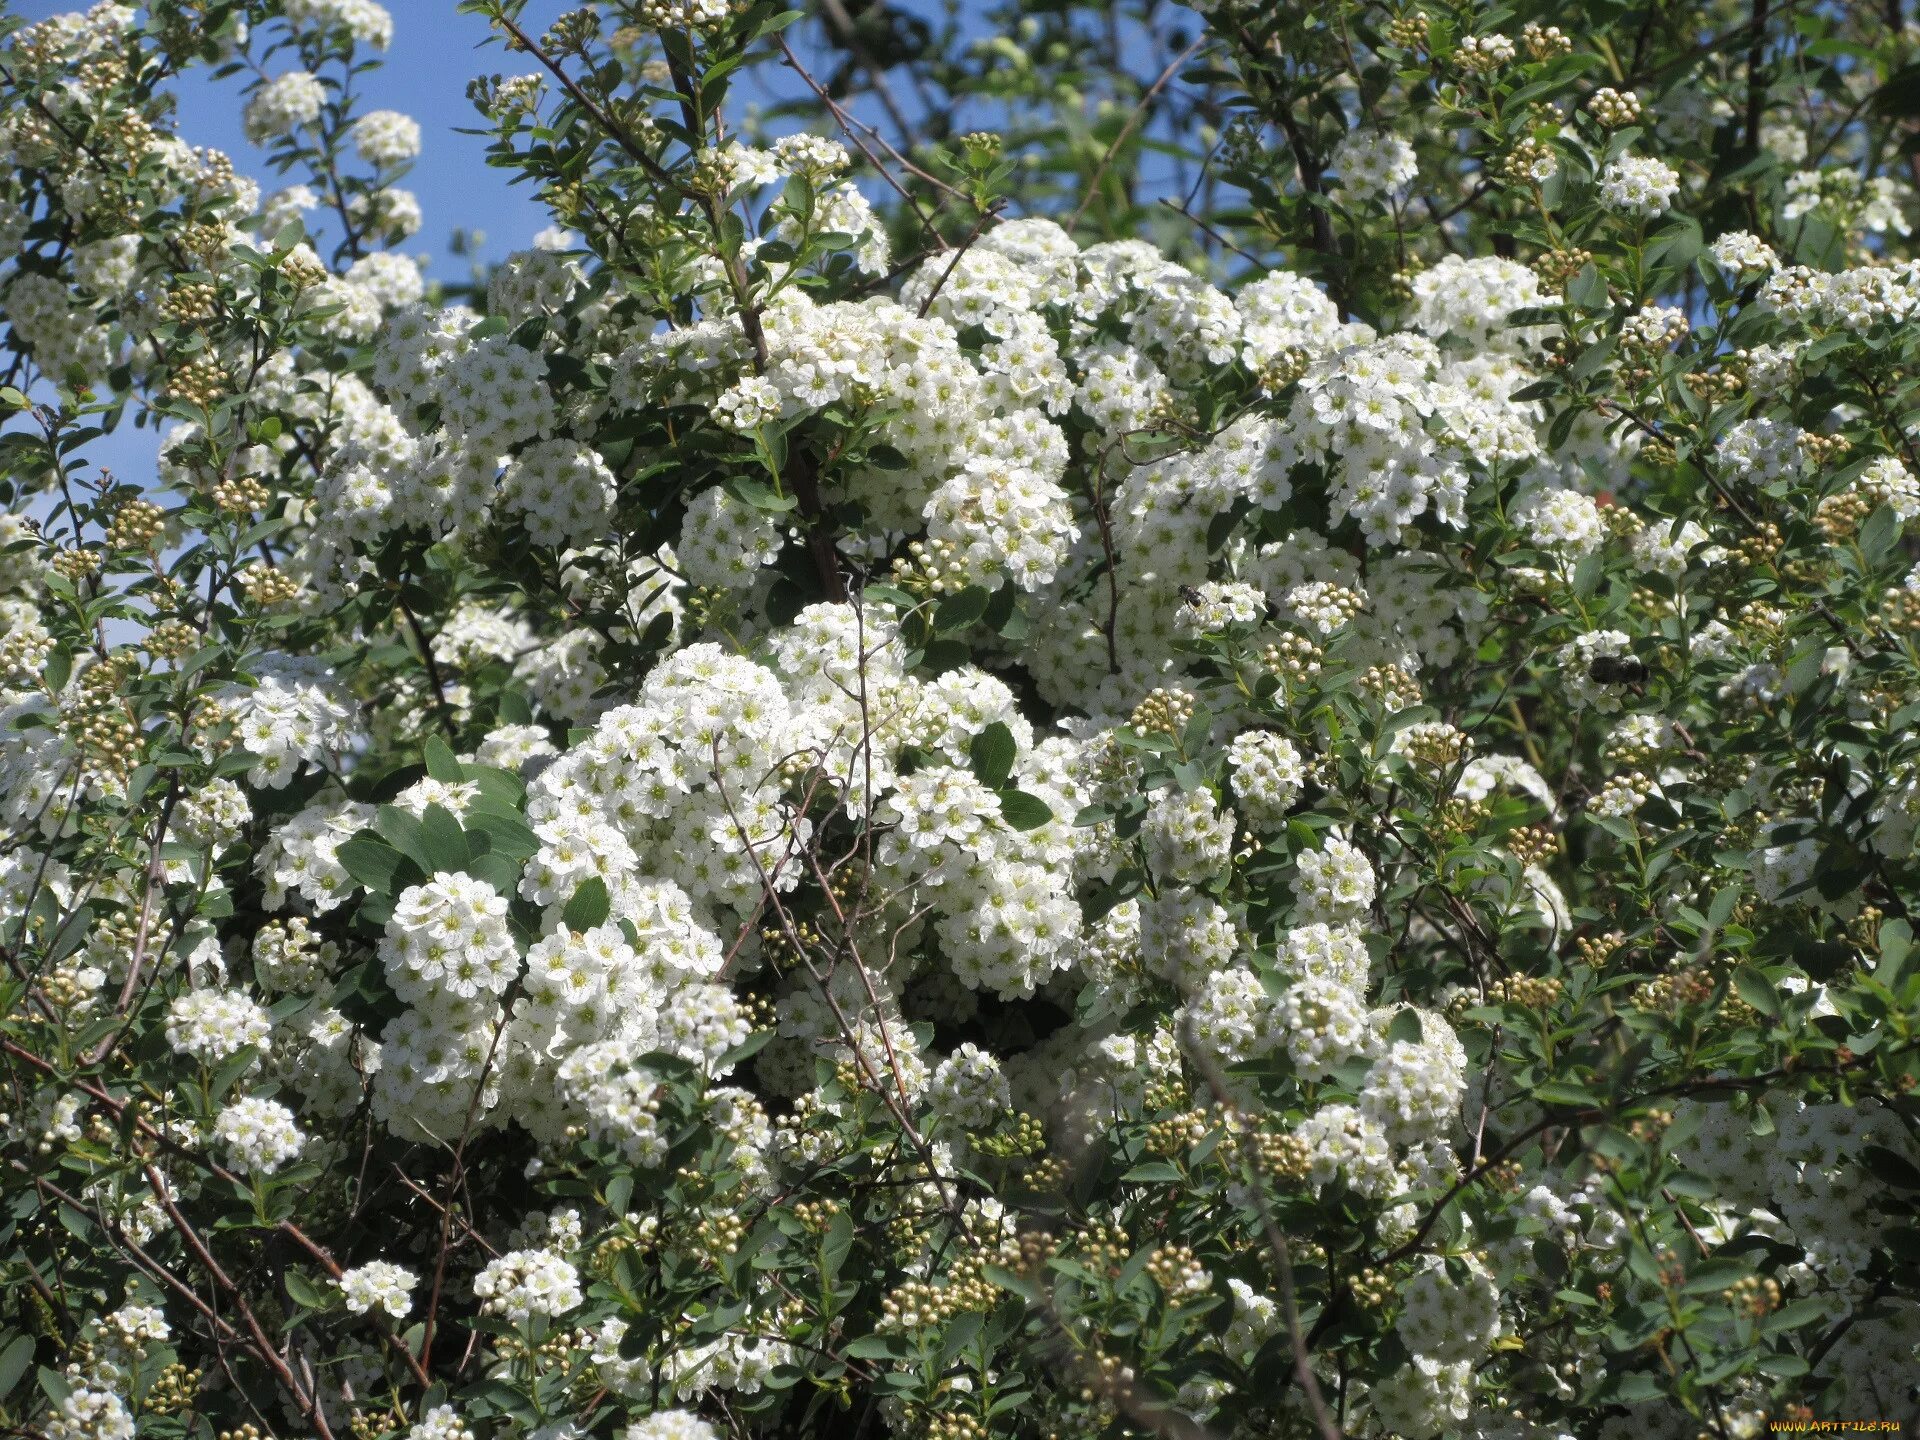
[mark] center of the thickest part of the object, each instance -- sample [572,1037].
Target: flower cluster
[826,800]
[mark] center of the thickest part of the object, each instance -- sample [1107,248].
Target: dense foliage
[914,782]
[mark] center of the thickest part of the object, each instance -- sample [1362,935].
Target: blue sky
[435,53]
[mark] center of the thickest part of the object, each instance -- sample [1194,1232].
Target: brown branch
[1303,1375]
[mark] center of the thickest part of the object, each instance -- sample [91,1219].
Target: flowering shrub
[843,807]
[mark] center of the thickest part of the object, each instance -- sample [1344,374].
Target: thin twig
[1139,111]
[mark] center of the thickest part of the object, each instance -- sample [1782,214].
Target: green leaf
[1630,1388]
[1896,945]
[1017,1284]
[778,21]
[1757,991]
[508,836]
[1560,1092]
[1588,290]
[835,1246]
[14,1361]
[53,1384]
[1593,359]
[1880,534]
[1891,1168]
[761,495]
[1022,811]
[589,906]
[877,1347]
[447,847]
[1795,1315]
[992,753]
[956,612]
[1710,1277]
[1586,575]
[304,1292]
[442,764]
[371,862]
[619,1194]
[406,834]
[1405,1028]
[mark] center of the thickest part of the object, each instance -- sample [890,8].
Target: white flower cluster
[1855,299]
[259,1135]
[364,21]
[295,713]
[284,104]
[1760,452]
[379,1285]
[1564,523]
[214,1025]
[1038,424]
[1639,185]
[672,1425]
[1740,252]
[1373,163]
[524,1283]
[1471,298]
[969,1089]
[386,137]
[448,938]
[1268,775]
[1334,883]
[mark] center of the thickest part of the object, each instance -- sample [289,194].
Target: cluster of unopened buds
[266,585]
[1024,1137]
[1483,54]
[1409,32]
[242,495]
[201,381]
[1615,108]
[1531,162]
[1163,712]
[1392,686]
[77,564]
[1372,1289]
[1556,267]
[187,303]
[931,567]
[1532,844]
[1530,992]
[1544,42]
[1176,1270]
[136,524]
[302,269]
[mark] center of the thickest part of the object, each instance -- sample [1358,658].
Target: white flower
[1268,775]
[212,1025]
[379,1285]
[671,1424]
[386,137]
[1333,883]
[1639,185]
[283,105]
[1738,252]
[1372,163]
[524,1283]
[259,1135]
